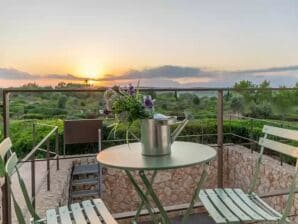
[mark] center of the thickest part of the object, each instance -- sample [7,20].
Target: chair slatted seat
[234,206]
[89,211]
[230,207]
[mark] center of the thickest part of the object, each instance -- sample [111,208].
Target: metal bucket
[155,138]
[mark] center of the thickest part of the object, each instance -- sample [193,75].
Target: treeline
[260,103]
[264,103]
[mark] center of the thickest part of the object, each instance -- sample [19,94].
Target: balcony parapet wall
[175,187]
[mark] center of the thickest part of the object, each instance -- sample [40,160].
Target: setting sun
[90,70]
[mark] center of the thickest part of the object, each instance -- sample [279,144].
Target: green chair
[89,211]
[234,206]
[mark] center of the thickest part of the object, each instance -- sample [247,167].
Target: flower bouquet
[128,106]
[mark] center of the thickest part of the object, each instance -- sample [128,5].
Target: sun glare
[90,71]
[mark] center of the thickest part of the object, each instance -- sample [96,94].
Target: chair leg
[197,191]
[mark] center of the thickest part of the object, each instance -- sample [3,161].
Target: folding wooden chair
[234,206]
[89,211]
[84,131]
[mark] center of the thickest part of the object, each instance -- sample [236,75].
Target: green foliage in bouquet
[128,106]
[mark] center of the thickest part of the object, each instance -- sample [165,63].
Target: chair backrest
[82,131]
[5,147]
[10,169]
[286,149]
[276,146]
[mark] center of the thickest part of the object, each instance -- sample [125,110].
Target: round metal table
[128,157]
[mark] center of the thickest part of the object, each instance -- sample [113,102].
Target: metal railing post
[202,132]
[33,165]
[251,133]
[100,166]
[48,165]
[57,148]
[33,180]
[6,113]
[6,200]
[230,128]
[220,139]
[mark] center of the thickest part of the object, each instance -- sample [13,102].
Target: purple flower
[148,102]
[131,90]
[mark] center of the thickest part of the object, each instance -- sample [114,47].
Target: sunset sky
[162,43]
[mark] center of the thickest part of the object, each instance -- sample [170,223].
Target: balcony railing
[39,146]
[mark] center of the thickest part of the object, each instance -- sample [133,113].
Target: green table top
[129,156]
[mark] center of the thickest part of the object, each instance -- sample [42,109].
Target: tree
[283,102]
[248,95]
[237,104]
[263,94]
[61,104]
[61,85]
[261,111]
[296,95]
[164,106]
[30,85]
[196,100]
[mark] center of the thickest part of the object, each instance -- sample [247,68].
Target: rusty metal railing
[6,204]
[39,147]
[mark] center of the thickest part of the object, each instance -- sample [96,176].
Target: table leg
[143,197]
[142,203]
[197,191]
[165,218]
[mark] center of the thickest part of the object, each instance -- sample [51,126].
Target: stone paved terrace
[193,219]
[44,199]
[173,187]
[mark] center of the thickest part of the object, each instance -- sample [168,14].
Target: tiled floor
[193,219]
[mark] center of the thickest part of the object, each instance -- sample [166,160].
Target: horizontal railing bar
[40,143]
[118,140]
[245,138]
[60,158]
[44,150]
[263,120]
[201,135]
[48,125]
[277,193]
[94,154]
[12,90]
[180,136]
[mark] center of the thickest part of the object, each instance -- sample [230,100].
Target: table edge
[159,168]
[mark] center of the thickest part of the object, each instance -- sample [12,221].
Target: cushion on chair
[233,205]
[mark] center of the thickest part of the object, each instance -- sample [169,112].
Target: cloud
[162,72]
[166,71]
[170,75]
[64,77]
[175,76]
[273,69]
[14,74]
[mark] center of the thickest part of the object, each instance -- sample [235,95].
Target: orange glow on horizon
[90,69]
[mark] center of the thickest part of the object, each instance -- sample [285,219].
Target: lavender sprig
[148,102]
